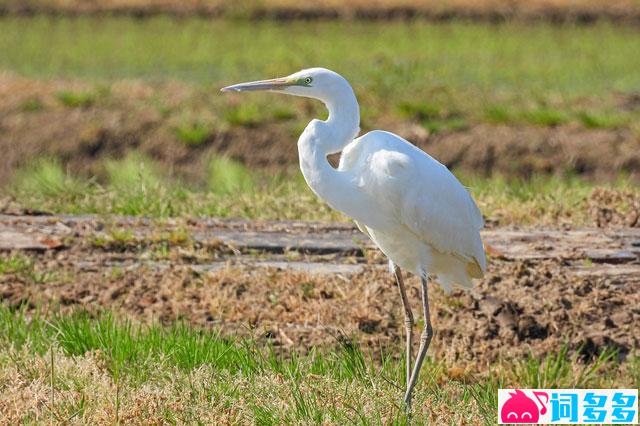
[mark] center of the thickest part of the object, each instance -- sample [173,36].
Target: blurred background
[113,106]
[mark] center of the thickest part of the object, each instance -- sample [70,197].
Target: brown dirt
[129,119]
[520,307]
[604,214]
[556,11]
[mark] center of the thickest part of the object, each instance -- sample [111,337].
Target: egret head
[317,83]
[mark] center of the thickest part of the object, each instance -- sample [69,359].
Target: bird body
[433,223]
[410,205]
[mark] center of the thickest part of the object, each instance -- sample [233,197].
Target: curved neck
[338,188]
[343,121]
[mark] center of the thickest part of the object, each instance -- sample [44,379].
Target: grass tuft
[544,117]
[420,111]
[432,117]
[132,173]
[244,114]
[227,176]
[76,99]
[601,121]
[499,114]
[46,178]
[283,114]
[24,268]
[194,134]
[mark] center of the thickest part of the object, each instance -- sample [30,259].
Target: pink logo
[519,408]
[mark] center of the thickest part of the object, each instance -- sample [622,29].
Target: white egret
[409,204]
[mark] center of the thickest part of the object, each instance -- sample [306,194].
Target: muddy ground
[127,117]
[299,285]
[554,11]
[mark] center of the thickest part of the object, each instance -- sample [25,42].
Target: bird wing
[423,196]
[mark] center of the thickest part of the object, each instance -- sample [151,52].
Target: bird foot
[407,404]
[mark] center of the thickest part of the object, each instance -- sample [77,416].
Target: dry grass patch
[53,371]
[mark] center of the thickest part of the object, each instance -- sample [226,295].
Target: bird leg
[408,322]
[425,340]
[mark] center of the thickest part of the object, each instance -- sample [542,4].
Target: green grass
[194,134]
[46,177]
[283,113]
[498,114]
[433,117]
[134,172]
[76,99]
[542,200]
[602,121]
[134,186]
[95,364]
[573,60]
[461,65]
[537,116]
[24,268]
[32,105]
[244,114]
[544,117]
[228,177]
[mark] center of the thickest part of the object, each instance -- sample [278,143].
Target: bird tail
[474,269]
[459,274]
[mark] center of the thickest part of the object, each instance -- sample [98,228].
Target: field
[162,261]
[580,11]
[87,89]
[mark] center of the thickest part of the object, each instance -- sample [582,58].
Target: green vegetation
[100,369]
[498,114]
[283,113]
[16,264]
[546,75]
[24,268]
[539,116]
[229,177]
[433,117]
[568,60]
[194,134]
[134,172]
[603,121]
[76,99]
[244,114]
[32,105]
[133,186]
[543,200]
[46,178]
[545,117]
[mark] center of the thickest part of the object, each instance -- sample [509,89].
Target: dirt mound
[604,214]
[529,304]
[523,151]
[37,119]
[520,308]
[539,306]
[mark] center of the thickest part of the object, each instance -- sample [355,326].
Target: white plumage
[408,203]
[436,223]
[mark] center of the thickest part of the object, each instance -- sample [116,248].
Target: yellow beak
[273,84]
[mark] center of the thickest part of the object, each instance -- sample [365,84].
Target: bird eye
[308,80]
